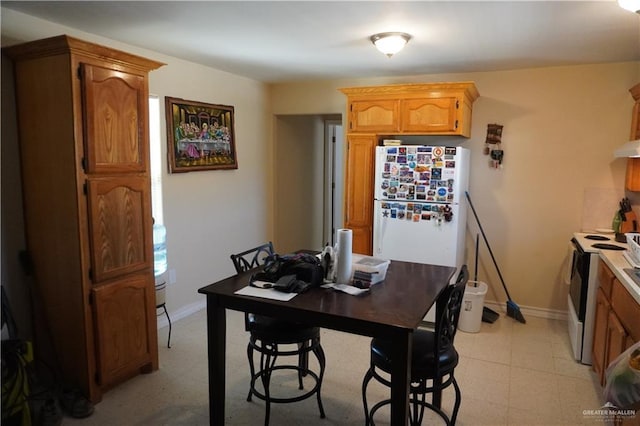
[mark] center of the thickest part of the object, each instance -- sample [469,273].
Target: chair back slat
[252,258]
[451,300]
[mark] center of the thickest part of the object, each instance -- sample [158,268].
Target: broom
[513,310]
[488,315]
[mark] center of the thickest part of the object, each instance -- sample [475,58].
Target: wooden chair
[433,360]
[269,335]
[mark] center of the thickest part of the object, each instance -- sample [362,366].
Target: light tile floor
[510,374]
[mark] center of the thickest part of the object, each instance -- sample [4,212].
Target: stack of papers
[266,293]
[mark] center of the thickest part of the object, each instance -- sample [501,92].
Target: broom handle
[475,277]
[487,243]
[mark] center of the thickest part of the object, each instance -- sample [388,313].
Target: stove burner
[605,246]
[597,237]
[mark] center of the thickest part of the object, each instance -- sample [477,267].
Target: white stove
[583,285]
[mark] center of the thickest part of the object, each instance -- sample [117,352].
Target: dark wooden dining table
[392,309]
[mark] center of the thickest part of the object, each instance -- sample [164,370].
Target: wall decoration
[492,145]
[200,136]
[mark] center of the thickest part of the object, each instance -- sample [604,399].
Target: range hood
[629,149]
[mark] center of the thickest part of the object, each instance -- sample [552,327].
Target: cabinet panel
[430,115]
[359,190]
[627,309]
[616,340]
[375,115]
[605,278]
[115,110]
[121,318]
[598,353]
[119,215]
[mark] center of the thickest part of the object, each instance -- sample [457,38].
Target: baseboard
[181,313]
[555,314]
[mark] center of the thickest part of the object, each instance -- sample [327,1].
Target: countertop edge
[616,261]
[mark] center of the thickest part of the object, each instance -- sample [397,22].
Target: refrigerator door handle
[378,229]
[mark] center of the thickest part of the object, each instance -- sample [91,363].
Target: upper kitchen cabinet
[411,109]
[83,126]
[632,179]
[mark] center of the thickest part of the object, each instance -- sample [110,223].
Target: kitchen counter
[617,262]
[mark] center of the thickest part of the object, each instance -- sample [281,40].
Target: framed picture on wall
[200,136]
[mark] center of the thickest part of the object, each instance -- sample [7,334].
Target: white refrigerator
[420,211]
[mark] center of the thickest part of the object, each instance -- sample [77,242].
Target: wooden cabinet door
[120,226]
[377,115]
[598,354]
[359,191]
[616,340]
[123,315]
[429,115]
[115,120]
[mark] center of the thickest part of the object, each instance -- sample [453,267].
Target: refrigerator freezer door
[419,173]
[412,232]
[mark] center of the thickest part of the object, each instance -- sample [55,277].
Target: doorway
[334,178]
[308,181]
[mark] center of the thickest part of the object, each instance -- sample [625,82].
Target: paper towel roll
[345,237]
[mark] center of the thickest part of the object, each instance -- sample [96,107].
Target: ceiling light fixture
[630,5]
[390,43]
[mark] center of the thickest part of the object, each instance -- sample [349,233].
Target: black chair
[433,360]
[269,335]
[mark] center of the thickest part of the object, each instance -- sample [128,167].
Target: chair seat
[422,358]
[278,331]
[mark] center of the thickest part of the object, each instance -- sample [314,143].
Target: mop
[513,310]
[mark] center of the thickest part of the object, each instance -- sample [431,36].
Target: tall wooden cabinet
[83,128]
[359,191]
[374,112]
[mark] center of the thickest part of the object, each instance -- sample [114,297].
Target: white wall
[561,125]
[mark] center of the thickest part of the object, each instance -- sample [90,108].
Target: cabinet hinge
[80,72]
[90,274]
[84,188]
[84,164]
[456,125]
[457,104]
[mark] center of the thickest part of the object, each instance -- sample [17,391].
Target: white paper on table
[266,293]
[346,288]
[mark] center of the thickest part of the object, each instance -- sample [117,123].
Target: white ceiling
[276,41]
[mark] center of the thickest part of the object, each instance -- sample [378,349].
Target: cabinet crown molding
[64,44]
[414,88]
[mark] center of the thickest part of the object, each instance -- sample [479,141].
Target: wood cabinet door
[120,226]
[123,316]
[377,115]
[616,340]
[115,120]
[598,354]
[429,115]
[359,191]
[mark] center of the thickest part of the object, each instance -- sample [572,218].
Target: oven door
[579,281]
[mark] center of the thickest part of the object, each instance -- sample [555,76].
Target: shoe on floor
[74,404]
[49,414]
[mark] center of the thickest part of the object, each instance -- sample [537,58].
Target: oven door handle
[569,264]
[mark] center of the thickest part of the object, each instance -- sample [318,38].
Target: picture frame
[200,136]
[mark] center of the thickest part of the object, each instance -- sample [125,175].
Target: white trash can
[472,307]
